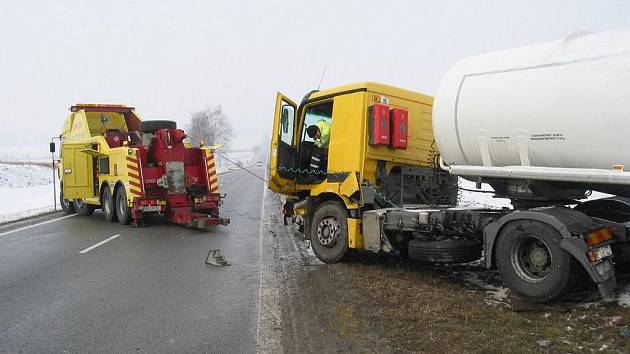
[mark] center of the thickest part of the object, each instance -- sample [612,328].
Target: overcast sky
[169,59]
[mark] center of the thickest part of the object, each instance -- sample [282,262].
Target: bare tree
[211,125]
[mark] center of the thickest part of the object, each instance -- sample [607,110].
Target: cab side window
[286,123]
[314,114]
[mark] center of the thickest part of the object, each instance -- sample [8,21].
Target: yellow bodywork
[349,151]
[84,145]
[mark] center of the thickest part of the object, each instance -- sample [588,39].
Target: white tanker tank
[558,111]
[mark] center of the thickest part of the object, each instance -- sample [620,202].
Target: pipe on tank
[579,175]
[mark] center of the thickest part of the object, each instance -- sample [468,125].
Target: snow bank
[25,190]
[21,176]
[19,203]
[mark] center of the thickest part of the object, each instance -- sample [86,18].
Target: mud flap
[602,273]
[216,258]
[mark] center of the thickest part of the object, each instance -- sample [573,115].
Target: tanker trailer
[544,125]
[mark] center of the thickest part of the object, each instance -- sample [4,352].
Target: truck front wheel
[83,208]
[122,208]
[531,261]
[329,232]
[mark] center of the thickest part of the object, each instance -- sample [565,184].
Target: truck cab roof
[374,87]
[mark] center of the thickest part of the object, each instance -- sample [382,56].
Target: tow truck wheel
[122,208]
[66,204]
[329,232]
[107,203]
[83,208]
[531,261]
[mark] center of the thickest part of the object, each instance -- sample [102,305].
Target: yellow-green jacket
[324,130]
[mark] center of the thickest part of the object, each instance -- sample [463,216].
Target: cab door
[77,172]
[283,153]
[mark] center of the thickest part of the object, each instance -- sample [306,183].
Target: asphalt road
[147,290]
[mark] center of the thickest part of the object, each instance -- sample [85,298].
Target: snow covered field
[29,152]
[25,190]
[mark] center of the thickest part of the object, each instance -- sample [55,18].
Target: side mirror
[52,147]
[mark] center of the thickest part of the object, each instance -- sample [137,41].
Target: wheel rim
[121,206]
[107,203]
[531,259]
[328,232]
[65,203]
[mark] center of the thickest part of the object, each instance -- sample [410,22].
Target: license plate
[151,208]
[604,269]
[603,252]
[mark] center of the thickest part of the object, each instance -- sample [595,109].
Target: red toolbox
[378,124]
[399,128]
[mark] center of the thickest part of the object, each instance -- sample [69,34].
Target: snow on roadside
[21,176]
[19,203]
[25,191]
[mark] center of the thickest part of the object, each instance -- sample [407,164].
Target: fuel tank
[562,104]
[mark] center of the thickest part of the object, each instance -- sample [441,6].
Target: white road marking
[100,243]
[35,225]
[262,215]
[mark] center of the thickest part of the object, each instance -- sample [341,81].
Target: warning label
[547,136]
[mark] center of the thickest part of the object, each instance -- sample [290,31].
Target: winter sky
[170,58]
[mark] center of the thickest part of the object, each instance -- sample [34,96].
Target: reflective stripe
[315,158]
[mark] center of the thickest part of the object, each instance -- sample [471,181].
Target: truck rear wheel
[530,259]
[107,203]
[122,208]
[83,208]
[66,204]
[329,232]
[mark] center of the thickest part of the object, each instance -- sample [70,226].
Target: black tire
[329,232]
[107,204]
[66,204]
[445,251]
[530,259]
[149,126]
[122,208]
[83,208]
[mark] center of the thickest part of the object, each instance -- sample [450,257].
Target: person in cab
[320,133]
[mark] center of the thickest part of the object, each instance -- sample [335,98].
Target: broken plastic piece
[216,258]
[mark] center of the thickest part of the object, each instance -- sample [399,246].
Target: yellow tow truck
[113,160]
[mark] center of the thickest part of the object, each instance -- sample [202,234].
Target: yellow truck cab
[380,154]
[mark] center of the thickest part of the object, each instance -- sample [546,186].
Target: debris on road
[216,258]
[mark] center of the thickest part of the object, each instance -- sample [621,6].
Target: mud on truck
[112,160]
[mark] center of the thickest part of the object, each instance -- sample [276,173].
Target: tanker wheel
[66,204]
[530,259]
[329,232]
[149,126]
[122,208]
[83,208]
[107,204]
